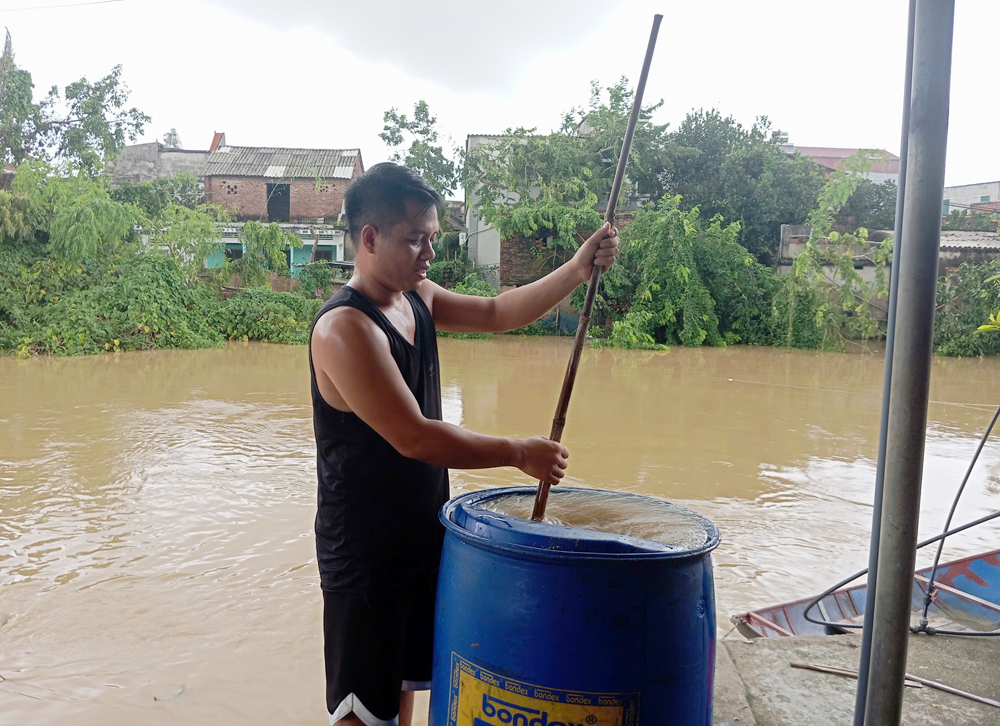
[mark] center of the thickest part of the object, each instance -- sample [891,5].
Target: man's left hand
[601,247]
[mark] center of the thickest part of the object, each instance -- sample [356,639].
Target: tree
[19,117]
[156,195]
[872,205]
[424,155]
[679,280]
[83,127]
[743,175]
[549,186]
[263,252]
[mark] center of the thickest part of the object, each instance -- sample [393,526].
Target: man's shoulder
[344,324]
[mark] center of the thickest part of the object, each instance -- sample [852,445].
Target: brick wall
[246,197]
[310,200]
[523,261]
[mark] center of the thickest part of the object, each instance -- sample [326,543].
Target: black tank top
[376,525]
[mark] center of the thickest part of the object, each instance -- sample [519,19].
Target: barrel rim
[713,536]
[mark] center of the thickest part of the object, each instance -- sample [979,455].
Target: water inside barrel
[640,517]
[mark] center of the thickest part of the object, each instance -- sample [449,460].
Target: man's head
[392,216]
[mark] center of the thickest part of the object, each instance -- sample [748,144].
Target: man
[383,451]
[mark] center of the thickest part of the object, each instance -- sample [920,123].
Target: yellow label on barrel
[482,698]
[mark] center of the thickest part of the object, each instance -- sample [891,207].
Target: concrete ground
[756,686]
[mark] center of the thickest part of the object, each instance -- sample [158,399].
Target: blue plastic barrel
[542,625]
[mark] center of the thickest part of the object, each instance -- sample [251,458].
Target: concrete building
[281,185]
[885,166]
[957,247]
[983,196]
[146,162]
[332,245]
[482,241]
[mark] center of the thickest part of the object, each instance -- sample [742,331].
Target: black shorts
[376,646]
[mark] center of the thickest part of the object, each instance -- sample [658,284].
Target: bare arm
[516,308]
[353,356]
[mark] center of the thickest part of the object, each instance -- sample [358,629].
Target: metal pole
[911,365]
[890,337]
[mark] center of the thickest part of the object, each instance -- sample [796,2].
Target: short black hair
[378,197]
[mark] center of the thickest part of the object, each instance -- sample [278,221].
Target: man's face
[403,252]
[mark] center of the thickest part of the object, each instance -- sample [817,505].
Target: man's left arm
[516,308]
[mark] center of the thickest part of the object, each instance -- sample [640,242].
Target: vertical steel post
[890,336]
[911,365]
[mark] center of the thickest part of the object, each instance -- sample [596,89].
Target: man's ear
[368,238]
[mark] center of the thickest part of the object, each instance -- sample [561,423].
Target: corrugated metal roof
[282,163]
[959,240]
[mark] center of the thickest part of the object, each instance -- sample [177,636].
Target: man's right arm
[354,356]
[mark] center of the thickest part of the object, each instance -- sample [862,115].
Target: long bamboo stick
[910,680]
[559,420]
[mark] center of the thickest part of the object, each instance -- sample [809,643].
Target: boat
[966,598]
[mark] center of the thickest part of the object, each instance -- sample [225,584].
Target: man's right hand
[541,458]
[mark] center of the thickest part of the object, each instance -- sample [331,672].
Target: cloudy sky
[321,73]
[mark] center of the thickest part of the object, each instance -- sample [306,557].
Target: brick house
[281,185]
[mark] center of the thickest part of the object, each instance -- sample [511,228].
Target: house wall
[969,194]
[310,200]
[146,162]
[246,197]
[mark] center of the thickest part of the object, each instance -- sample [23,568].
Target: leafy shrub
[316,280]
[267,316]
[964,303]
[136,302]
[448,273]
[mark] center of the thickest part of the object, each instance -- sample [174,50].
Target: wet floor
[156,552]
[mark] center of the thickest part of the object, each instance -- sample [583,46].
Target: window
[984,198]
[324,255]
[944,207]
[234,253]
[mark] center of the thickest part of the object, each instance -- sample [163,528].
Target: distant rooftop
[282,163]
[830,157]
[961,240]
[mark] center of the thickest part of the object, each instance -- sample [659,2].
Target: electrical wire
[923,626]
[52,7]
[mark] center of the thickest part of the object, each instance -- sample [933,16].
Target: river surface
[156,547]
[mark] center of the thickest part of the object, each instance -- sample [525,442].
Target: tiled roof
[834,152]
[282,163]
[959,240]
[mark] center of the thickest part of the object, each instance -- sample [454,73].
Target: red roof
[831,156]
[218,140]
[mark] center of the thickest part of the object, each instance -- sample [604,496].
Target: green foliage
[20,118]
[823,301]
[267,316]
[153,197]
[424,155]
[967,316]
[188,236]
[137,301]
[963,219]
[840,187]
[448,273]
[742,174]
[679,281]
[549,186]
[316,280]
[872,206]
[83,127]
[263,252]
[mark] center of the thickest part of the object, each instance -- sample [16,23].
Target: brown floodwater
[156,549]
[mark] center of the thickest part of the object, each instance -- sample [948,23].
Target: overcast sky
[320,74]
